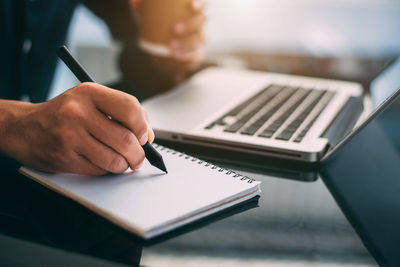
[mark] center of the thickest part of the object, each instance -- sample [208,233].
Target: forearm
[11,113]
[143,77]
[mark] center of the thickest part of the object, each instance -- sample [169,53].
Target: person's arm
[74,133]
[143,74]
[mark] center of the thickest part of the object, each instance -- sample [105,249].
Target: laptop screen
[363,173]
[385,84]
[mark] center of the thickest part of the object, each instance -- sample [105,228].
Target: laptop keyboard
[266,114]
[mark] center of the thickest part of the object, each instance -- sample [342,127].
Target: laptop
[363,172]
[268,114]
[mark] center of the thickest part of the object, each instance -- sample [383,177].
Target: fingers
[119,138]
[189,26]
[102,156]
[83,166]
[151,135]
[188,44]
[71,163]
[116,128]
[121,107]
[198,5]
[149,130]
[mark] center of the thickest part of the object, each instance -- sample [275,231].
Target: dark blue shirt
[32,30]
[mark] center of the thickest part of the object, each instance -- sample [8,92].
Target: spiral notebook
[148,202]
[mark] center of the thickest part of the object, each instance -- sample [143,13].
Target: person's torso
[31,31]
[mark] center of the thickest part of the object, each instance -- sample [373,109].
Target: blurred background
[302,37]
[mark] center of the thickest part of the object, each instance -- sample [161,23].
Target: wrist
[11,132]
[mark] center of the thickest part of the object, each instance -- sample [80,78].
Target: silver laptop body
[268,114]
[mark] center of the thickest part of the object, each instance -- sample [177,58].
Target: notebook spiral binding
[205,163]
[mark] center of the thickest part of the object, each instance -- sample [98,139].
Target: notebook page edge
[211,210]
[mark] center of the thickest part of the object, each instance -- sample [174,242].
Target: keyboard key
[220,122]
[253,128]
[282,118]
[252,110]
[234,127]
[210,126]
[303,133]
[285,135]
[236,110]
[267,134]
[292,127]
[298,139]
[250,130]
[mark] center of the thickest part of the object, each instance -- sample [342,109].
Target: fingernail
[152,136]
[198,4]
[179,27]
[138,166]
[143,139]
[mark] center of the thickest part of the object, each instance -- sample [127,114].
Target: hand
[187,41]
[74,132]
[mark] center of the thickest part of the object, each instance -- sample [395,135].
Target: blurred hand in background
[187,42]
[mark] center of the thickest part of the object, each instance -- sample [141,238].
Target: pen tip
[164,170]
[162,167]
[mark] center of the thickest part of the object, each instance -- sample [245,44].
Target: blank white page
[148,199]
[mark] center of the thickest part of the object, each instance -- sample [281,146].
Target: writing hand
[73,133]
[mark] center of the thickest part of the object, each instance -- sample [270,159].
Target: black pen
[152,155]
